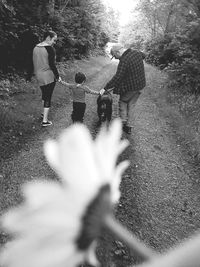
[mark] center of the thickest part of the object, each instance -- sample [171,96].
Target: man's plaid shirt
[130,75]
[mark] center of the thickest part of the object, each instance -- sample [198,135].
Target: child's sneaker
[46,123]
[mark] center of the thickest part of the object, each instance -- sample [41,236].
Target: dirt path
[160,190]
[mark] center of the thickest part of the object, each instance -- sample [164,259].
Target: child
[78,92]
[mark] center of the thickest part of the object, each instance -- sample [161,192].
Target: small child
[78,92]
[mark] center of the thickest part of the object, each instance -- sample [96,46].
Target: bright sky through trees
[124,8]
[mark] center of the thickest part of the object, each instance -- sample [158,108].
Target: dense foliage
[169,32]
[82,26]
[175,46]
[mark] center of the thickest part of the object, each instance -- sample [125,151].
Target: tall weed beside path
[189,106]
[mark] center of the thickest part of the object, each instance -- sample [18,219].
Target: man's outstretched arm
[118,77]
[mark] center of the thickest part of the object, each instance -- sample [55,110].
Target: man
[128,81]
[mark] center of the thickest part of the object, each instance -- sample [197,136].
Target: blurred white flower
[58,222]
[83,163]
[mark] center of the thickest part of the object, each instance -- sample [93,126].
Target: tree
[163,17]
[82,26]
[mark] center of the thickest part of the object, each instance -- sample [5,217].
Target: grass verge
[188,104]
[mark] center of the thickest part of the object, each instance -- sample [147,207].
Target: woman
[45,71]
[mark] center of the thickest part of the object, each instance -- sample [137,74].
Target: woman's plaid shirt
[130,75]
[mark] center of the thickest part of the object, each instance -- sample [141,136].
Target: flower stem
[140,250]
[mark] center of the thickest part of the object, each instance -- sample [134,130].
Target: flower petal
[48,224]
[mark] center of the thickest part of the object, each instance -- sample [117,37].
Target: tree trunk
[51,7]
[171,11]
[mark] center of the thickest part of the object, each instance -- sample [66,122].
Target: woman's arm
[52,61]
[118,77]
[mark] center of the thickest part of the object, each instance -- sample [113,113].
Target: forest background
[168,32]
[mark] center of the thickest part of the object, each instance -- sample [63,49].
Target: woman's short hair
[51,34]
[80,77]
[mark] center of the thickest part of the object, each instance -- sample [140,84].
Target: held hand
[102,91]
[59,79]
[64,83]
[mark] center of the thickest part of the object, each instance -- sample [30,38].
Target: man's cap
[116,48]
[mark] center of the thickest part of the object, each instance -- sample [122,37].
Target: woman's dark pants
[47,91]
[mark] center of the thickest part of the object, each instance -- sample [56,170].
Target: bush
[186,75]
[179,55]
[78,31]
[160,52]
